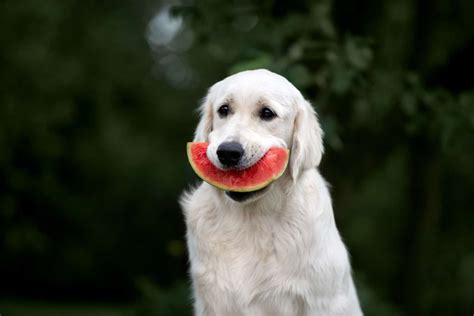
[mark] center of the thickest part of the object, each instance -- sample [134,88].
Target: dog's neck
[272,201]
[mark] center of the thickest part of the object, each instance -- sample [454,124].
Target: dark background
[98,99]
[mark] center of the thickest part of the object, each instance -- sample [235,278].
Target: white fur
[279,253]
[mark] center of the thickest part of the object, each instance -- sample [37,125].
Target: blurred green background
[98,98]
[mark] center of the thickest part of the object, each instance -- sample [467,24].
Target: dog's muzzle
[230,154]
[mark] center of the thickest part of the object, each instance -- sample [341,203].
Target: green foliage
[159,302]
[34,308]
[87,179]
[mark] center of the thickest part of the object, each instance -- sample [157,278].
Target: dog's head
[246,114]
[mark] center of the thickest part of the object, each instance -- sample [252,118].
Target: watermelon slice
[269,168]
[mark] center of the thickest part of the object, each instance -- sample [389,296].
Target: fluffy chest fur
[267,258]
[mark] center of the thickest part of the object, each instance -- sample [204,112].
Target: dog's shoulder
[189,195]
[197,199]
[185,199]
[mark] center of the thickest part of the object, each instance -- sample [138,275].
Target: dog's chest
[247,259]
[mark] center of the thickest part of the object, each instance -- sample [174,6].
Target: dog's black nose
[230,153]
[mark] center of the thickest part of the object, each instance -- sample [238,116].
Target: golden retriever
[275,251]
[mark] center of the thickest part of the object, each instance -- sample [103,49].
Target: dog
[275,251]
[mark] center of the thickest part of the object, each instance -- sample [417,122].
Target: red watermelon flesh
[269,168]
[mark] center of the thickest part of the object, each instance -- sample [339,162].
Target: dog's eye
[223,111]
[266,114]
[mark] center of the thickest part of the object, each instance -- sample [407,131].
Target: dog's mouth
[244,196]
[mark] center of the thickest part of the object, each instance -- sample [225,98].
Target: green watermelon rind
[225,187]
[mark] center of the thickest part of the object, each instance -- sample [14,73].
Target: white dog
[275,251]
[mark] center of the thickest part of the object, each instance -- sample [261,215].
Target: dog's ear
[204,126]
[307,147]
